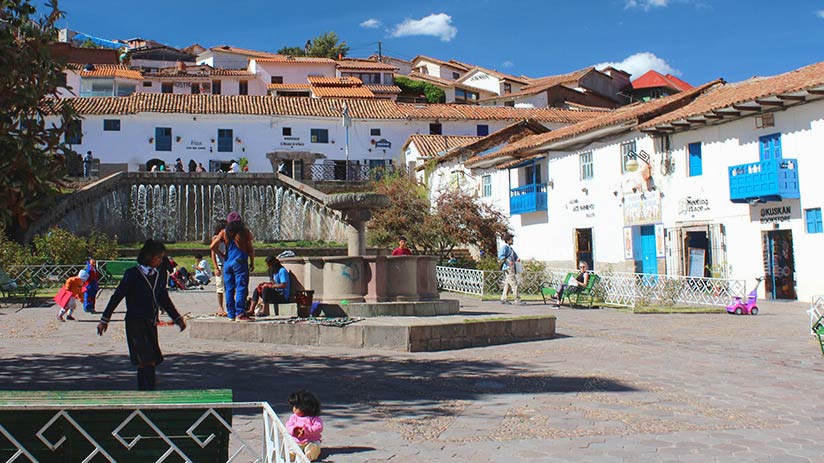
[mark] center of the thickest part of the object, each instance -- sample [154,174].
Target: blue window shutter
[225,144]
[696,167]
[770,147]
[163,138]
[483,130]
[813,220]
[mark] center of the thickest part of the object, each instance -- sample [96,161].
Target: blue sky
[697,40]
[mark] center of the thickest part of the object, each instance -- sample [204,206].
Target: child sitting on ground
[68,296]
[203,272]
[305,424]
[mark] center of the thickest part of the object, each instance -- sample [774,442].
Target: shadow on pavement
[418,385]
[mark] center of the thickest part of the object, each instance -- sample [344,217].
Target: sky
[696,40]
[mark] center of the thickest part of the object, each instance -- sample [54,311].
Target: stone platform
[406,334]
[382,309]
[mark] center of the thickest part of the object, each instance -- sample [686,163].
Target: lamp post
[346,120]
[633,157]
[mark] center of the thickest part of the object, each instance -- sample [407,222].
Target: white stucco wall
[292,73]
[483,81]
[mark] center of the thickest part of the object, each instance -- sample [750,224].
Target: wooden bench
[11,289]
[113,271]
[104,416]
[551,292]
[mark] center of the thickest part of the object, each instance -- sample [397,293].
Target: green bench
[11,289]
[113,271]
[109,419]
[818,329]
[585,292]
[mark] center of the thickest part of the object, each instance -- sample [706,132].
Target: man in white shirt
[234,167]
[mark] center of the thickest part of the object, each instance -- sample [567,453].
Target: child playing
[305,424]
[69,294]
[144,288]
[91,286]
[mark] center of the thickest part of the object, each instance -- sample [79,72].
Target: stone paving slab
[612,386]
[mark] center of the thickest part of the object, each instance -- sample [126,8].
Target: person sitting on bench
[275,291]
[575,284]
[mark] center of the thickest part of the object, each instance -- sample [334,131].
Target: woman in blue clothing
[239,263]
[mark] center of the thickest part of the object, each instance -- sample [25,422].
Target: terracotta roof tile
[110,70]
[334,81]
[342,92]
[289,59]
[359,108]
[365,64]
[435,145]
[653,79]
[384,89]
[741,92]
[196,72]
[451,63]
[288,86]
[630,114]
[244,51]
[541,84]
[497,74]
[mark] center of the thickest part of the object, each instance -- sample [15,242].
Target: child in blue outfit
[144,288]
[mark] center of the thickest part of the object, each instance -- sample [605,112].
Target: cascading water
[188,211]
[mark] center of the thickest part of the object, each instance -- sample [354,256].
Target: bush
[433,93]
[534,265]
[61,247]
[12,253]
[489,263]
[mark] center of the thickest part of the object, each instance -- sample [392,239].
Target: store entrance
[583,247]
[779,264]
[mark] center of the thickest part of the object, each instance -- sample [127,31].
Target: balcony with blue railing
[772,180]
[527,198]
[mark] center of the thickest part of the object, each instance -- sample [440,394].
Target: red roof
[654,79]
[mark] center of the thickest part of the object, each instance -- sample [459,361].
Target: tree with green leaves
[32,153]
[417,88]
[456,218]
[326,45]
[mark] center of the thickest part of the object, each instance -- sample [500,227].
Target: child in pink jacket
[305,424]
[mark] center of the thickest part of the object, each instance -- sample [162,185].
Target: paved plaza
[611,387]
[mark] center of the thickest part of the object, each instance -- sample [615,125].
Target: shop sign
[587,209]
[195,145]
[642,208]
[693,205]
[291,141]
[383,143]
[776,212]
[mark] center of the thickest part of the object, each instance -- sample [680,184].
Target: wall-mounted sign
[693,205]
[627,242]
[195,145]
[642,208]
[660,250]
[383,143]
[291,141]
[776,212]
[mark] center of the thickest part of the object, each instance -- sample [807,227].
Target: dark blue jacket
[138,294]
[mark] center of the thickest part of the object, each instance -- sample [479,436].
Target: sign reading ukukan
[776,212]
[642,208]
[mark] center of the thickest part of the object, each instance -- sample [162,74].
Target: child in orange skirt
[68,296]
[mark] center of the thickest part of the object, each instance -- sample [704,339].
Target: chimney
[181,66]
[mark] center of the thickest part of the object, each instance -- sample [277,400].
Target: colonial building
[130,132]
[717,180]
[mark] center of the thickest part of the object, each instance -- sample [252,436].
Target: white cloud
[437,25]
[371,23]
[646,4]
[640,63]
[507,64]
[820,14]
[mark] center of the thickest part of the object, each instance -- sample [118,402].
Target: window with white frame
[486,186]
[586,165]
[626,149]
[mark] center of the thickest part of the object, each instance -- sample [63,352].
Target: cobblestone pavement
[611,387]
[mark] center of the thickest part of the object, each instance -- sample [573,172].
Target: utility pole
[347,122]
[380,52]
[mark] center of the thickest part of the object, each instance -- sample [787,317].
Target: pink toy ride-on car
[750,307]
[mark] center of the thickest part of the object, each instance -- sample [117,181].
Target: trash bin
[304,302]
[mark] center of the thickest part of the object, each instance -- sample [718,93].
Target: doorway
[583,247]
[216,165]
[697,244]
[779,264]
[646,260]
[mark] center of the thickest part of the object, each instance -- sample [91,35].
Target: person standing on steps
[509,260]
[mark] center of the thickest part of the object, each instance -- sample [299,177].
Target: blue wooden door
[649,263]
[770,147]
